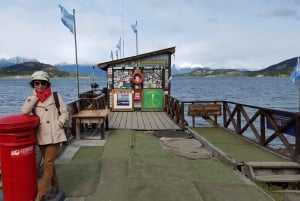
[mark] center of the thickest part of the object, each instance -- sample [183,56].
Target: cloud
[212,20]
[283,13]
[212,33]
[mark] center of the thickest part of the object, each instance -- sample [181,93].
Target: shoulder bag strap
[57,102]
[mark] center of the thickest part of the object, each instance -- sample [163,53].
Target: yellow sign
[159,62]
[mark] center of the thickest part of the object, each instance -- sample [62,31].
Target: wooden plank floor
[138,120]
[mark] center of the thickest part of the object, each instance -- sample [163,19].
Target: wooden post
[181,115]
[262,139]
[193,119]
[77,129]
[224,114]
[239,120]
[216,117]
[297,135]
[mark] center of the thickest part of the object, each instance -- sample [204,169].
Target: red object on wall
[17,142]
[137,95]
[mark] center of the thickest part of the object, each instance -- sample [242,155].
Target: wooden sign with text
[204,110]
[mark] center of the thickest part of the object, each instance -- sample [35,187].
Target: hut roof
[105,65]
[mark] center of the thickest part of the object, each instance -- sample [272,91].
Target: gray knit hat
[40,75]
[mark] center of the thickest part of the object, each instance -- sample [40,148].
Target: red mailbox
[17,143]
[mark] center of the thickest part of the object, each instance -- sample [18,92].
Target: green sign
[152,98]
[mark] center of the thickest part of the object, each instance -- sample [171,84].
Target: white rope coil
[188,148]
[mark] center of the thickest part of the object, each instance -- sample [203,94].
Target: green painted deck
[235,147]
[133,166]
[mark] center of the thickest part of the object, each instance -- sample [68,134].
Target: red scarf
[42,96]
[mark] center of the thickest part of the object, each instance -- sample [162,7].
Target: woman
[50,132]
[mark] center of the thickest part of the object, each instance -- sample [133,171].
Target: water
[13,92]
[269,92]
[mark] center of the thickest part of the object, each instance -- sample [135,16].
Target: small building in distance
[139,82]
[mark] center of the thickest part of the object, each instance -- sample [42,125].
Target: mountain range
[15,60]
[25,66]
[86,69]
[282,69]
[18,62]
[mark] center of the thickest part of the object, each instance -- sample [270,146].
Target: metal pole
[136,39]
[76,55]
[123,26]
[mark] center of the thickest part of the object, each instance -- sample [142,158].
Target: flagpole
[297,79]
[123,26]
[120,49]
[76,54]
[136,39]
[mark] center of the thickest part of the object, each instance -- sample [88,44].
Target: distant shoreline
[29,76]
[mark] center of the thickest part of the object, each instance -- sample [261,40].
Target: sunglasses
[38,83]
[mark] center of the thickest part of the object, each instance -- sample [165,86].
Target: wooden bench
[98,116]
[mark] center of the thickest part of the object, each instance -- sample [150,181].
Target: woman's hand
[34,92]
[60,124]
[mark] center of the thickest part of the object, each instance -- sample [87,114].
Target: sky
[251,34]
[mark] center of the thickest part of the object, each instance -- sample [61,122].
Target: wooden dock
[138,120]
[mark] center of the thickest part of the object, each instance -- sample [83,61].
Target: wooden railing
[98,102]
[175,109]
[263,126]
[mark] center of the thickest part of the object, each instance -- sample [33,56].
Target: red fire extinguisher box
[137,94]
[17,144]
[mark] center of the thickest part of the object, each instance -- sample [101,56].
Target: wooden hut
[139,82]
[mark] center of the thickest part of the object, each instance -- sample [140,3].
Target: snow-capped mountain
[15,60]
[83,69]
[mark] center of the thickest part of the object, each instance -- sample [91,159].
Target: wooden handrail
[258,124]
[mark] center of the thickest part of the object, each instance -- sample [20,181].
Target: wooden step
[278,178]
[272,171]
[285,164]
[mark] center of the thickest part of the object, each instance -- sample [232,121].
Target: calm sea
[270,92]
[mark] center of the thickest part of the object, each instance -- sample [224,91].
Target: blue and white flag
[296,73]
[67,19]
[111,55]
[134,27]
[118,46]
